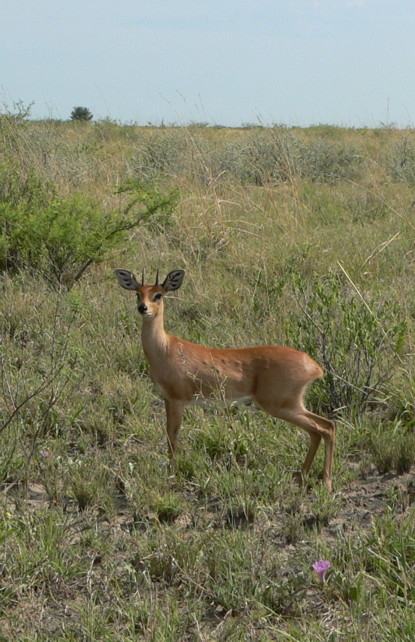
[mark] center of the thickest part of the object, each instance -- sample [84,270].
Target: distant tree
[81,113]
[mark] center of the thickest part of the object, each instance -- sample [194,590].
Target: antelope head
[150,297]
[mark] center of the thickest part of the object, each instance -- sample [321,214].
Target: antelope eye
[157,296]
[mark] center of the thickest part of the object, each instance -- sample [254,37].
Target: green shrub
[262,157]
[163,154]
[266,157]
[271,157]
[401,162]
[61,239]
[324,162]
[356,344]
[24,189]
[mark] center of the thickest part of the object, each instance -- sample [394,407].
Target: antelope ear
[126,279]
[173,280]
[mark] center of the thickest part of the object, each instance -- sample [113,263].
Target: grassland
[303,237]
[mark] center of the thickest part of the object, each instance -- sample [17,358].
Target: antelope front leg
[174,414]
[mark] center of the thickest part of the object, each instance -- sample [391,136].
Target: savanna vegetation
[304,237]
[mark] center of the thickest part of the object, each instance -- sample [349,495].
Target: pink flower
[44,453]
[321,567]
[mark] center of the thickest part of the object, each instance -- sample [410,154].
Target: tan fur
[275,377]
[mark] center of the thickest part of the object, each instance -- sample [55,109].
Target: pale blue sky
[296,62]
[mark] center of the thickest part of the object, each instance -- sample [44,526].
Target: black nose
[142,308]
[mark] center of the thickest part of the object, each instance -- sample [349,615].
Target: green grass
[300,237]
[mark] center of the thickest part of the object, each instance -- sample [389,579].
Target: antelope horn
[142,277]
[157,278]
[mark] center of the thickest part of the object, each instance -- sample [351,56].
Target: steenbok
[275,377]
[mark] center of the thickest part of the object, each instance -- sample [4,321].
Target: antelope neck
[153,335]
